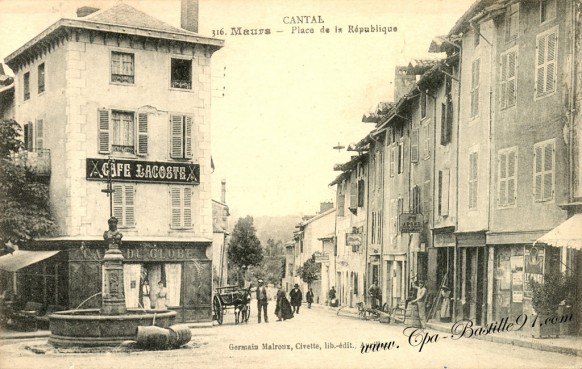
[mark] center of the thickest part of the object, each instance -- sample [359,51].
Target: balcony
[39,161]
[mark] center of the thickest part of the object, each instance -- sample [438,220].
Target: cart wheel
[217,309]
[246,313]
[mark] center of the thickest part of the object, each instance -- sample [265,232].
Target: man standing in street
[262,300]
[296,297]
[420,302]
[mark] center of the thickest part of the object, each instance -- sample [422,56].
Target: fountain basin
[88,328]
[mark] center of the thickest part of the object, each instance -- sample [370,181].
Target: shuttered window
[29,136]
[118,132]
[361,192]
[546,55]
[414,146]
[124,204]
[142,134]
[508,85]
[475,70]
[181,207]
[34,135]
[400,157]
[39,134]
[544,173]
[353,194]
[180,137]
[507,181]
[473,179]
[341,200]
[416,200]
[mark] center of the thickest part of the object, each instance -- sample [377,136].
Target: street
[316,338]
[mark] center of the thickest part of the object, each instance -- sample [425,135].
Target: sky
[289,97]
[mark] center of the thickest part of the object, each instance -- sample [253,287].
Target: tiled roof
[125,15]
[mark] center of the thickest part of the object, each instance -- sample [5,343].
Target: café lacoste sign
[143,171]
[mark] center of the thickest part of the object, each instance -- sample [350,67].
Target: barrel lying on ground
[156,338]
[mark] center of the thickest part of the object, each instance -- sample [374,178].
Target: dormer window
[181,74]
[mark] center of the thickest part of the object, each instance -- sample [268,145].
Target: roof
[119,19]
[464,21]
[318,216]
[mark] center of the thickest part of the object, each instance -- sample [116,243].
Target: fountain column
[113,296]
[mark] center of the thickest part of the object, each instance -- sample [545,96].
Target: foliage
[24,197]
[309,271]
[270,269]
[244,248]
[549,294]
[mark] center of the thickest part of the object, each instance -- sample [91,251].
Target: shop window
[124,205]
[507,166]
[547,10]
[180,137]
[508,83]
[181,74]
[181,205]
[118,132]
[26,85]
[512,22]
[546,53]
[544,162]
[122,67]
[41,78]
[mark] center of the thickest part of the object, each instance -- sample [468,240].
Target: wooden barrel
[180,335]
[411,317]
[153,337]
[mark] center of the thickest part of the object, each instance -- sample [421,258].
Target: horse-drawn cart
[234,297]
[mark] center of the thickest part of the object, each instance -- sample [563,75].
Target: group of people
[159,296]
[284,309]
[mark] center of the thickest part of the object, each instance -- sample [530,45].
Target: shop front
[472,277]
[172,275]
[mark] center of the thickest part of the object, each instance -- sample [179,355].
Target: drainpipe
[456,249]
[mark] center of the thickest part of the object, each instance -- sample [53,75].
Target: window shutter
[104,131]
[176,147]
[361,192]
[540,64]
[353,195]
[393,161]
[187,207]
[188,137]
[449,127]
[129,220]
[503,86]
[551,62]
[511,75]
[445,192]
[548,175]
[427,200]
[443,124]
[175,200]
[142,134]
[502,194]
[118,204]
[28,136]
[511,177]
[39,134]
[414,146]
[538,161]
[400,157]
[341,201]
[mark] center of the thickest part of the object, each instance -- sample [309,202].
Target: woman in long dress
[445,304]
[161,296]
[283,308]
[145,291]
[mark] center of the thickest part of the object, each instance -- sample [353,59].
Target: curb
[541,346]
[25,335]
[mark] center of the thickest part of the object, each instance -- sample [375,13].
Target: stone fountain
[113,323]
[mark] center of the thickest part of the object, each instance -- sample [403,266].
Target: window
[361,192]
[512,22]
[122,67]
[416,200]
[546,53]
[544,162]
[181,137]
[118,132]
[547,10]
[443,192]
[507,168]
[414,146]
[181,204]
[41,78]
[476,35]
[423,104]
[26,85]
[396,210]
[353,195]
[473,179]
[446,121]
[181,74]
[426,142]
[475,70]
[400,157]
[124,204]
[34,135]
[508,79]
[341,200]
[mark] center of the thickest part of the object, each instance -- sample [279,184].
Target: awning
[20,259]
[567,234]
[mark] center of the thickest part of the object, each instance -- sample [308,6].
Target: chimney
[403,82]
[223,191]
[325,206]
[189,15]
[85,11]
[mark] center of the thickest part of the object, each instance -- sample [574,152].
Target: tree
[24,197]
[244,248]
[309,272]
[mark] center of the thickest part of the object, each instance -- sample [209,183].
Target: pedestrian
[262,301]
[309,298]
[446,304]
[420,302]
[296,297]
[332,299]
[374,292]
[161,296]
[283,308]
[145,291]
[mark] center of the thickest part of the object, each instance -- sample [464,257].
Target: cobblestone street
[302,342]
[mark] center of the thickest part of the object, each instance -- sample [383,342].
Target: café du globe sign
[143,171]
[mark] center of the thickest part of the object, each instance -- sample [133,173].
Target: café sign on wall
[143,171]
